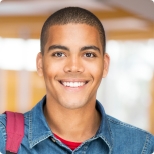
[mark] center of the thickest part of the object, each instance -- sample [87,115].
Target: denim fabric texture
[113,136]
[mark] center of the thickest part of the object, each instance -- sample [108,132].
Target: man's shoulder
[124,126]
[2,132]
[2,124]
[130,135]
[2,120]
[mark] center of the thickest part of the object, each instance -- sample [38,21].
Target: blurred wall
[20,90]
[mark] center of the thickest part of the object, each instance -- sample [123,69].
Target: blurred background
[128,91]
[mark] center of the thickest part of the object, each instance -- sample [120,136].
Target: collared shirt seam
[104,139]
[126,125]
[145,147]
[30,128]
[3,127]
[109,127]
[40,139]
[100,133]
[26,115]
[32,142]
[3,130]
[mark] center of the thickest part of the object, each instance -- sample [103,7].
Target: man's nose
[74,64]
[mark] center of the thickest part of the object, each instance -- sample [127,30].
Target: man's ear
[39,64]
[106,63]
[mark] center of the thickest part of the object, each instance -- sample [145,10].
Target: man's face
[73,65]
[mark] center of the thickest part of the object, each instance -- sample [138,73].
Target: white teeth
[73,84]
[81,84]
[76,84]
[65,83]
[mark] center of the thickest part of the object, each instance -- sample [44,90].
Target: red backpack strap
[14,131]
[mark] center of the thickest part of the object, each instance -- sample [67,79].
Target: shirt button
[53,139]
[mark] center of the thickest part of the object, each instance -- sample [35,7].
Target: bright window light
[18,54]
[125,91]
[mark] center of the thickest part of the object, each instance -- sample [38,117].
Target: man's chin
[72,105]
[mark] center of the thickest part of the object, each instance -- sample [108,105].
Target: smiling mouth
[72,84]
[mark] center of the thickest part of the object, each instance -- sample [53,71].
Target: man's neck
[75,125]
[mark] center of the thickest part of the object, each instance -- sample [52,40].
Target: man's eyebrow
[90,47]
[52,47]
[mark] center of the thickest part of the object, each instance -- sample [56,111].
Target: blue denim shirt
[113,137]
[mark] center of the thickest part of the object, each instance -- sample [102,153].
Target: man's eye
[58,54]
[89,55]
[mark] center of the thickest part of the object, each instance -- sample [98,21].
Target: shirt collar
[39,129]
[104,131]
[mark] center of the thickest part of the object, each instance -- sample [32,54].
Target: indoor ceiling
[122,19]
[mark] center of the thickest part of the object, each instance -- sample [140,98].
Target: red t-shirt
[71,145]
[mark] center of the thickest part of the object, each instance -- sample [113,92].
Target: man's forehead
[72,32]
[75,30]
[72,26]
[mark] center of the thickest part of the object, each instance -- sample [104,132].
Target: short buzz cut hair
[74,15]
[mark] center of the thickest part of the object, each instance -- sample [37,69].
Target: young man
[69,119]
